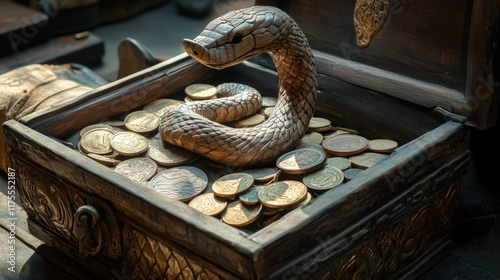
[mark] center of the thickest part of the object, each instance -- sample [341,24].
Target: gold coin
[166,154]
[137,169]
[351,173]
[129,143]
[312,138]
[266,112]
[162,106]
[142,121]
[251,197]
[318,123]
[249,121]
[238,214]
[95,126]
[264,174]
[180,183]
[382,145]
[283,194]
[341,163]
[233,184]
[97,141]
[324,179]
[345,145]
[200,91]
[367,159]
[209,204]
[304,202]
[301,161]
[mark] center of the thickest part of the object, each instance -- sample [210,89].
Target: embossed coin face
[97,141]
[312,138]
[301,161]
[352,173]
[341,163]
[264,174]
[162,106]
[232,184]
[249,121]
[324,179]
[137,169]
[180,183]
[345,144]
[283,194]
[95,126]
[382,145]
[129,143]
[209,204]
[238,214]
[367,159]
[142,121]
[251,197]
[200,91]
[166,154]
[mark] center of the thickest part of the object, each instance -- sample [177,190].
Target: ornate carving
[369,16]
[44,200]
[403,243]
[146,258]
[54,204]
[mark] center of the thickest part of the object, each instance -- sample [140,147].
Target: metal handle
[87,232]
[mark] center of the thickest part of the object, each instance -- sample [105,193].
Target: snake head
[237,36]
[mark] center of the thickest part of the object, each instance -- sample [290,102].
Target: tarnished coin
[209,204]
[180,183]
[250,121]
[261,175]
[142,121]
[341,163]
[162,106]
[317,123]
[345,145]
[324,179]
[166,154]
[382,145]
[97,141]
[251,197]
[95,126]
[283,194]
[104,160]
[312,138]
[238,214]
[129,143]
[233,184]
[301,161]
[351,173]
[137,169]
[200,91]
[268,101]
[367,159]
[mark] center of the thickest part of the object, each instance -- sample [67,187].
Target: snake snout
[194,50]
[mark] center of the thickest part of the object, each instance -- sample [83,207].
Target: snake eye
[237,38]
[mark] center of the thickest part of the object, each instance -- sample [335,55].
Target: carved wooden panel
[146,258]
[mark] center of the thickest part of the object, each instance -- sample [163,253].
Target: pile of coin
[326,158]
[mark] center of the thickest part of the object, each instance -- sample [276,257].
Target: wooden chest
[424,79]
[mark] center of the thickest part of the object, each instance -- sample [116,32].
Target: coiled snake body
[229,40]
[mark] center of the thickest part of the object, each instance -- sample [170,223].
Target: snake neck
[296,69]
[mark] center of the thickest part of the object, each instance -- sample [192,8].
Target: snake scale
[227,41]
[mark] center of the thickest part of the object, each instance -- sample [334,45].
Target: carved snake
[229,40]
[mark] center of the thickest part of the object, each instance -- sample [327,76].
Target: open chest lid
[440,55]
